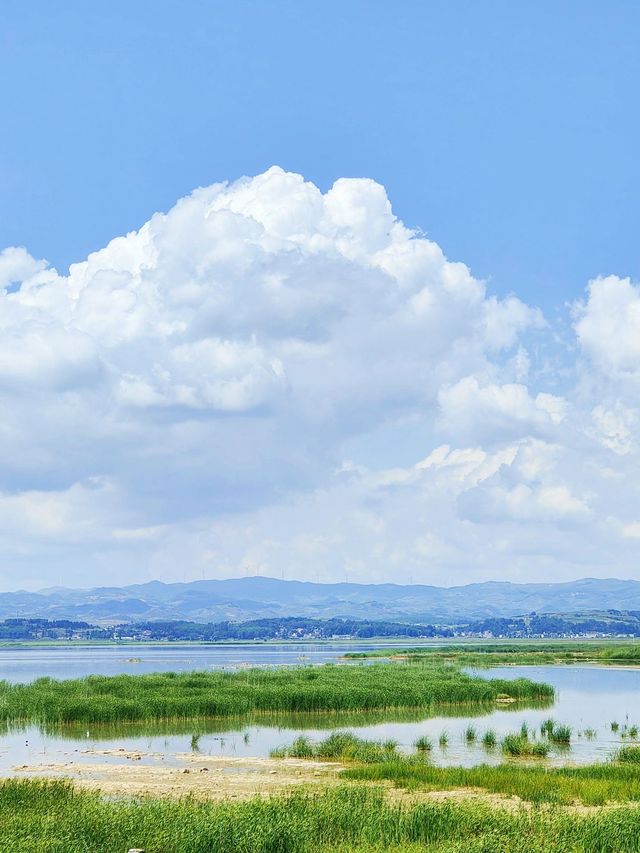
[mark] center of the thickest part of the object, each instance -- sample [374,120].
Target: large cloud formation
[201,397]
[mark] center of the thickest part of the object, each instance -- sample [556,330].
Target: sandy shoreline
[195,775]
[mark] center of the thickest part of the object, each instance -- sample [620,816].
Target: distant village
[612,623]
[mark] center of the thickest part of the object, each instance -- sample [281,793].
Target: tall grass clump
[302,747]
[556,732]
[489,739]
[546,727]
[423,744]
[470,734]
[560,734]
[342,746]
[628,754]
[517,745]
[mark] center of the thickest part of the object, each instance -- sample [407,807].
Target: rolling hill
[263,597]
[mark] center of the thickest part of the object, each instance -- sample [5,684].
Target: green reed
[628,754]
[489,739]
[423,744]
[328,688]
[524,652]
[342,746]
[592,785]
[519,744]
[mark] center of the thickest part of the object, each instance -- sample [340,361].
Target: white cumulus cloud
[182,400]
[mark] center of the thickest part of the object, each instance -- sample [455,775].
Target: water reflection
[589,699]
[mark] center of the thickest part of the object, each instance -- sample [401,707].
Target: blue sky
[405,346]
[506,131]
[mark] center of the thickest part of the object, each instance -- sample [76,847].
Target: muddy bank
[202,776]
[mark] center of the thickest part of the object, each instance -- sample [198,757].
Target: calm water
[588,697]
[26,664]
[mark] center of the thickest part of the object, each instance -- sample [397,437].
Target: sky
[338,291]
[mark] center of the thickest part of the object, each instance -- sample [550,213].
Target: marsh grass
[342,746]
[524,743]
[546,727]
[595,785]
[628,755]
[202,695]
[558,733]
[526,652]
[489,739]
[519,745]
[52,817]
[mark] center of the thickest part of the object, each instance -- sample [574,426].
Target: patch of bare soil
[510,802]
[479,795]
[209,778]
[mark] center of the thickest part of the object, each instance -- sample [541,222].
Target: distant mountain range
[262,597]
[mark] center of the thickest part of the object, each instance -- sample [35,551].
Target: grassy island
[521,653]
[197,695]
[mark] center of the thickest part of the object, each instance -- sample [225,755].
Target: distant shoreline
[381,641]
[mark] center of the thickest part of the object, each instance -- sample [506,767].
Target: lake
[21,665]
[588,698]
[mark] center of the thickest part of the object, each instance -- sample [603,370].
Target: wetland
[418,747]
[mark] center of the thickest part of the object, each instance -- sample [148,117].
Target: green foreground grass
[593,785]
[333,688]
[52,817]
[617,781]
[523,653]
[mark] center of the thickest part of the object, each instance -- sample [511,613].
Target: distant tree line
[605,623]
[36,629]
[608,623]
[290,628]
